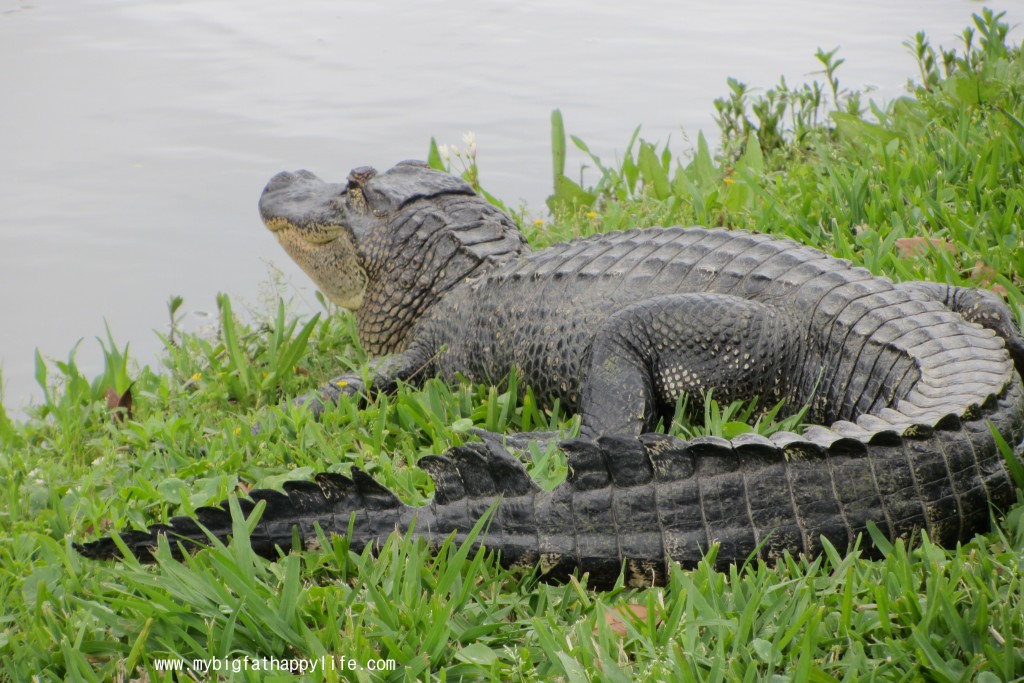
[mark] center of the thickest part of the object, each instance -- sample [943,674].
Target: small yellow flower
[265,374]
[196,377]
[238,430]
[539,221]
[729,181]
[341,383]
[591,214]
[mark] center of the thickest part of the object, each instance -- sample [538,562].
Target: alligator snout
[286,179]
[292,199]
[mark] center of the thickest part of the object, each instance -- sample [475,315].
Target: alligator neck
[424,251]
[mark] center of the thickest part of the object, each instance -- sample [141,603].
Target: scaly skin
[901,380]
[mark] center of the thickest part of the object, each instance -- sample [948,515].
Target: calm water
[135,137]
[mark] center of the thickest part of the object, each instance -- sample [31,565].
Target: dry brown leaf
[616,618]
[983,272]
[985,275]
[120,405]
[909,247]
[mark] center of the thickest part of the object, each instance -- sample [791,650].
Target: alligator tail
[329,501]
[468,481]
[634,507]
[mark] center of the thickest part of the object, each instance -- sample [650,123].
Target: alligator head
[326,227]
[385,245]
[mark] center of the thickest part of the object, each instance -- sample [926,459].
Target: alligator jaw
[313,222]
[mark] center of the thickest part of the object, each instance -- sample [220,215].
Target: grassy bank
[927,187]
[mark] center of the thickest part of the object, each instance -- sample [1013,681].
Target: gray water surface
[135,137]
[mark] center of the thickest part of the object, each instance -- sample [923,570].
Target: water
[135,137]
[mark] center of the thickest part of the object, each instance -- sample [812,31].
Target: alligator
[906,385]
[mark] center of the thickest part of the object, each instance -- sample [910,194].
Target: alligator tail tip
[141,544]
[100,549]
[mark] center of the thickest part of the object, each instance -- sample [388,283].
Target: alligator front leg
[644,357]
[410,366]
[384,376]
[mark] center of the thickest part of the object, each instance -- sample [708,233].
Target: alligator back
[876,358]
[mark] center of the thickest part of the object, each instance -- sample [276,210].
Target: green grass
[816,163]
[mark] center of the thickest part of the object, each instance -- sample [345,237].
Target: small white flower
[445,153]
[470,140]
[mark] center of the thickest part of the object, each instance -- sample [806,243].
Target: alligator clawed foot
[319,401]
[518,443]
